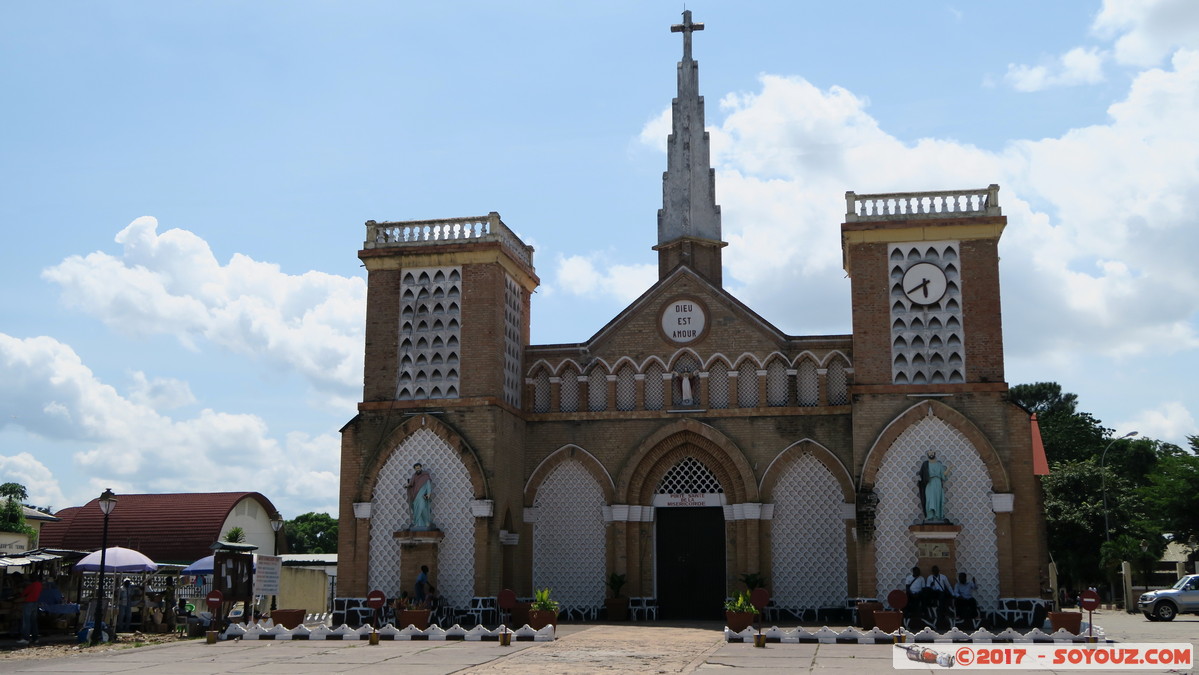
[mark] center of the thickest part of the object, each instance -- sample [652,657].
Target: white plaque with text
[683,320]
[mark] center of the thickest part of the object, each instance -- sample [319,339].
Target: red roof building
[169,528]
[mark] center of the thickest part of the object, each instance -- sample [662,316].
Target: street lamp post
[1107,532]
[276,525]
[107,502]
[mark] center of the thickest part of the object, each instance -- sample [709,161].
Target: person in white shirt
[963,597]
[937,588]
[913,584]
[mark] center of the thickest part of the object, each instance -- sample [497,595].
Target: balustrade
[918,205]
[446,230]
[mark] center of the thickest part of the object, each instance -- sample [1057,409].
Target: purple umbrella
[117,559]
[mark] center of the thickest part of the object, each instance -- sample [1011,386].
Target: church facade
[689,441]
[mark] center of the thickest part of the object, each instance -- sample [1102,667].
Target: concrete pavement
[586,648]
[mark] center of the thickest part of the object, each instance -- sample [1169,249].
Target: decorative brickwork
[390,512]
[968,492]
[926,342]
[513,344]
[808,537]
[429,333]
[568,537]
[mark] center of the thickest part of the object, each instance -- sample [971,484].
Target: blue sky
[184,185]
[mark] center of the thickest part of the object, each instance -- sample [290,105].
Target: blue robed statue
[420,495]
[932,488]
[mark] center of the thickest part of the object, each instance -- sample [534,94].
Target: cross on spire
[686,28]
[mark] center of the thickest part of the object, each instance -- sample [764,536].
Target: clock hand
[923,284]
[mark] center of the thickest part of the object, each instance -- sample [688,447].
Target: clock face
[924,283]
[683,320]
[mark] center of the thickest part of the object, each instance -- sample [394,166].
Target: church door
[690,562]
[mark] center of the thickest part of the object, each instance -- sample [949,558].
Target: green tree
[1044,398]
[235,535]
[14,491]
[312,533]
[1172,493]
[12,515]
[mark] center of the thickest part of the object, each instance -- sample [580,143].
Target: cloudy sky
[184,186]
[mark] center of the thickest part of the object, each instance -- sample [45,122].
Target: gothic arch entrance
[687,478]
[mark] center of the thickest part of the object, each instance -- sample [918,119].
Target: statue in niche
[420,496]
[932,488]
[687,383]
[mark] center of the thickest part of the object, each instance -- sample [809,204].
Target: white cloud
[592,276]
[1077,66]
[130,446]
[39,482]
[1148,30]
[171,283]
[160,393]
[1169,420]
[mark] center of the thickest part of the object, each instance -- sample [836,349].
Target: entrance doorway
[689,551]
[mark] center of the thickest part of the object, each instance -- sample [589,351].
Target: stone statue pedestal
[936,544]
[417,547]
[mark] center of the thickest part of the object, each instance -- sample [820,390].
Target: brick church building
[690,441]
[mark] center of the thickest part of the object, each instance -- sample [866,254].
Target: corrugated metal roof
[165,527]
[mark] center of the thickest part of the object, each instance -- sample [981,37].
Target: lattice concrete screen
[689,476]
[967,503]
[626,388]
[429,333]
[512,342]
[718,385]
[390,511]
[808,534]
[568,537]
[926,340]
[568,390]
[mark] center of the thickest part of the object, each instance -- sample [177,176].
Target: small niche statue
[420,495]
[932,488]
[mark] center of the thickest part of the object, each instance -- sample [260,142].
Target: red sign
[214,600]
[1089,600]
[375,599]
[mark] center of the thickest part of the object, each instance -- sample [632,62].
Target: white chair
[650,607]
[483,610]
[636,606]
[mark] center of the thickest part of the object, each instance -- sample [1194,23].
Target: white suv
[1164,605]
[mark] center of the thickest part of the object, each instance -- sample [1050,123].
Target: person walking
[31,597]
[125,606]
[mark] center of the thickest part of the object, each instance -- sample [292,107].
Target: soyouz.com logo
[1127,656]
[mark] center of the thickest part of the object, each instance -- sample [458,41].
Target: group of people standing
[936,591]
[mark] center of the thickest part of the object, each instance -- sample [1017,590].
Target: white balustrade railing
[918,205]
[446,230]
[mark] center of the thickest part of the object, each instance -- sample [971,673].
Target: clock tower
[925,274]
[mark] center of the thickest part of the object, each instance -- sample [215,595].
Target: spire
[689,220]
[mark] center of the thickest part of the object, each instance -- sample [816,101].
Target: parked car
[1164,605]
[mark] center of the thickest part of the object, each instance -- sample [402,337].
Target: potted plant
[617,605]
[544,611]
[413,613]
[739,612]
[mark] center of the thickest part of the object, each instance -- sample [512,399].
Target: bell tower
[447,310]
[689,220]
[925,274]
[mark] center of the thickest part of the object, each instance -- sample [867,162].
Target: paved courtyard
[579,649]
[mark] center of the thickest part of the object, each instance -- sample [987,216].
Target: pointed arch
[990,457]
[393,440]
[799,449]
[659,452]
[568,453]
